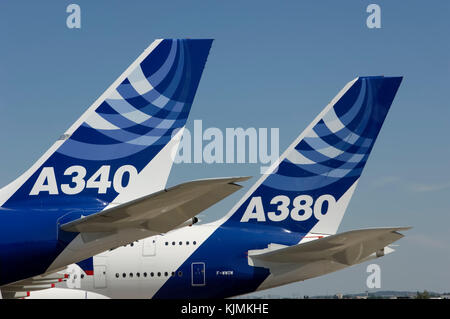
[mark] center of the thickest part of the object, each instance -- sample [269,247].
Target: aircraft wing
[159,212]
[347,248]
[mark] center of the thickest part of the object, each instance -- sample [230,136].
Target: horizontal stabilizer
[159,212]
[347,248]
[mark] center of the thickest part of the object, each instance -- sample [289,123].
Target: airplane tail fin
[308,190]
[121,147]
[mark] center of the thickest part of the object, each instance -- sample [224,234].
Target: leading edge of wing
[161,211]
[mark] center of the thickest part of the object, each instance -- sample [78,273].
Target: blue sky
[273,64]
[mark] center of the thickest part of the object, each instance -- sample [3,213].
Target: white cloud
[421,187]
[417,187]
[426,241]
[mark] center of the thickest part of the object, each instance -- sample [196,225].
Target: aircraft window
[159,274]
[166,274]
[194,242]
[82,276]
[187,243]
[173,243]
[124,275]
[145,274]
[131,244]
[167,243]
[173,273]
[131,275]
[180,243]
[117,275]
[152,274]
[180,273]
[138,274]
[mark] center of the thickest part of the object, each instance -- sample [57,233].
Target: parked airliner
[102,183]
[283,230]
